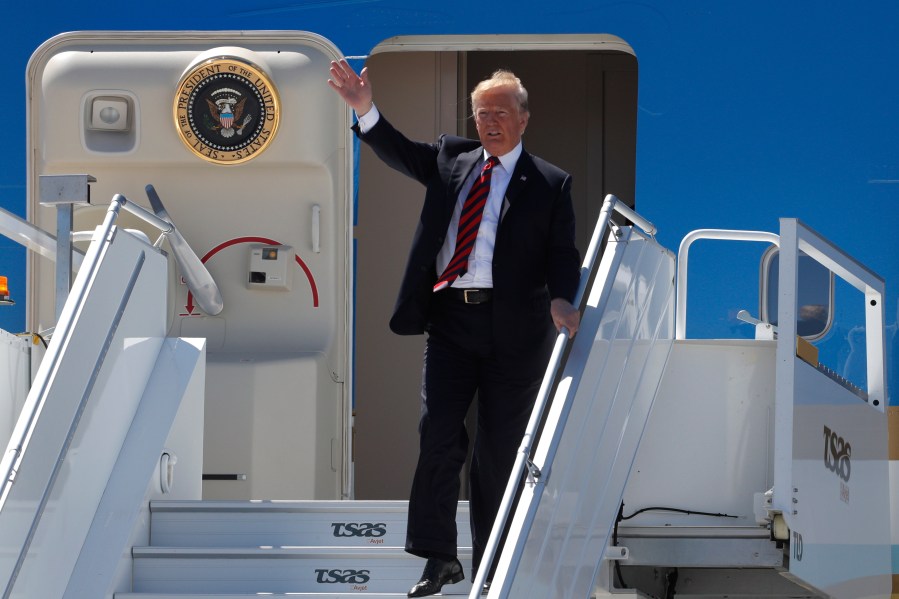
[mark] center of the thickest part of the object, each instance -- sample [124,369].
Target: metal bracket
[63,192]
[617,553]
[65,189]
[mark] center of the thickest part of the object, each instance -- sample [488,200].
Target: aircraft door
[248,148]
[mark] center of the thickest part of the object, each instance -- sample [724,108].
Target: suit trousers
[463,359]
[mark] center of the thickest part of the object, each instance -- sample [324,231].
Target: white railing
[683,254]
[610,205]
[108,303]
[33,238]
[797,237]
[197,278]
[849,537]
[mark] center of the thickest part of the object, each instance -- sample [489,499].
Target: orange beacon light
[4,292]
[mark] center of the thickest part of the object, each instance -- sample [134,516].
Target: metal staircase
[335,549]
[236,549]
[98,524]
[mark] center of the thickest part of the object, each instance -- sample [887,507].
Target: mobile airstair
[687,434]
[110,408]
[88,475]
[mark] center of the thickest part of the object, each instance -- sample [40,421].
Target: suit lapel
[463,166]
[523,170]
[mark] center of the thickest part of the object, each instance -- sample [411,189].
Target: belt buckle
[465,293]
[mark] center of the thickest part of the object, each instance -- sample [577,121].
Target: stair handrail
[10,460]
[556,362]
[32,237]
[683,254]
[195,274]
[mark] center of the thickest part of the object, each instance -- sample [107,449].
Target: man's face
[499,120]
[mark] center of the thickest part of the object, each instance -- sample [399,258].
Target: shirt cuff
[368,120]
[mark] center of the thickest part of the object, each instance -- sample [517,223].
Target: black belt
[470,296]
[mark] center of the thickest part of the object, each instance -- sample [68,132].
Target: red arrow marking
[267,241]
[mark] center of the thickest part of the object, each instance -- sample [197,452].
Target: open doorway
[583,102]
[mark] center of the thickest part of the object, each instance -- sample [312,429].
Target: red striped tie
[469,221]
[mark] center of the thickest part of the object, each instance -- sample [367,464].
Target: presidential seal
[226,110]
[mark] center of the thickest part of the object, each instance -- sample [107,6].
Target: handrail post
[64,191]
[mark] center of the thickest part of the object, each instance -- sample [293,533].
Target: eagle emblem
[226,110]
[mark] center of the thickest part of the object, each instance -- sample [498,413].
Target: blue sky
[747,113]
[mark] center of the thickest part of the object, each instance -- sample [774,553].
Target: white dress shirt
[480,262]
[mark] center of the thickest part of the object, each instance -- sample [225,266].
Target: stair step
[286,523]
[316,570]
[447,592]
[354,595]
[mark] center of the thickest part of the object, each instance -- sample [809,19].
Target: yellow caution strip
[893,441]
[806,351]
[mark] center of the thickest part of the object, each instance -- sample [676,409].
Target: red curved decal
[265,240]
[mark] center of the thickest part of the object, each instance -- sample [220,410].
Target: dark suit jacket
[534,258]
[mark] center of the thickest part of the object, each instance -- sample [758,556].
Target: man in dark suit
[493,267]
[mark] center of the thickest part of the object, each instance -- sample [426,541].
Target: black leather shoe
[437,573]
[486,588]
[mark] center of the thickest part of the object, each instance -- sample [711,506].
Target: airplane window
[815,295]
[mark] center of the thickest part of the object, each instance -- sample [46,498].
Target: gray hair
[502,78]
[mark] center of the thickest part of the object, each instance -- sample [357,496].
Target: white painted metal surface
[839,521]
[281,570]
[700,547]
[172,400]
[33,238]
[831,467]
[274,357]
[561,526]
[199,281]
[76,446]
[61,468]
[708,445]
[312,548]
[610,205]
[239,595]
[683,259]
[15,379]
[356,524]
